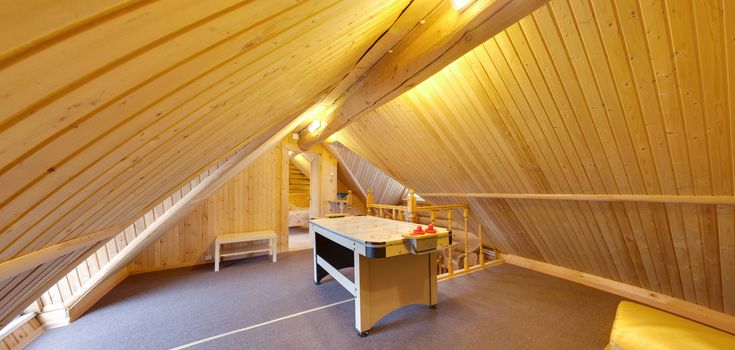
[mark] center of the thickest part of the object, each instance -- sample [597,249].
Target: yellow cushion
[641,327]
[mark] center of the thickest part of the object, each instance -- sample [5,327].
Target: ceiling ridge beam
[441,37]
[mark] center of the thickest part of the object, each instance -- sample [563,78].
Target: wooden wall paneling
[517,151]
[726,236]
[593,164]
[248,202]
[727,253]
[559,137]
[599,98]
[252,200]
[298,187]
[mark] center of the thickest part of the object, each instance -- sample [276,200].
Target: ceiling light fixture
[460,5]
[314,126]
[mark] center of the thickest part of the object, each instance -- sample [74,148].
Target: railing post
[433,217]
[465,214]
[369,201]
[349,202]
[450,265]
[479,238]
[412,205]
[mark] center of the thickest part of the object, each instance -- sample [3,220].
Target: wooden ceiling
[585,97]
[106,107]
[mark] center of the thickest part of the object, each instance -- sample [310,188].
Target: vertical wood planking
[607,97]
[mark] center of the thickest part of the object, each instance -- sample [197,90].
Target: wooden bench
[241,237]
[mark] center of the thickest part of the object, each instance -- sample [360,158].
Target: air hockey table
[390,270]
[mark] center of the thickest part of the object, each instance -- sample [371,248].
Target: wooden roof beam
[424,39]
[644,198]
[13,267]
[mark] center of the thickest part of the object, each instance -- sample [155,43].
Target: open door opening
[303,204]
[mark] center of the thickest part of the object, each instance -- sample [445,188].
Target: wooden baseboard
[133,271]
[169,267]
[664,302]
[54,319]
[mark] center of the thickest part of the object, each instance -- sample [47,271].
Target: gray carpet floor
[504,307]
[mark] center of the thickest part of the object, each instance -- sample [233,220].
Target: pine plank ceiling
[107,106]
[386,190]
[584,97]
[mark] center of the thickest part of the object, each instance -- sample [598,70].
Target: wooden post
[380,213]
[465,214]
[349,202]
[412,205]
[450,262]
[433,217]
[393,215]
[479,238]
[369,200]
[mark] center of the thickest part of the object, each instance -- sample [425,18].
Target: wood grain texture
[254,199]
[298,187]
[109,107]
[250,201]
[23,335]
[584,97]
[386,190]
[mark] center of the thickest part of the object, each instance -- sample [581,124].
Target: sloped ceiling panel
[105,107]
[386,190]
[607,97]
[18,292]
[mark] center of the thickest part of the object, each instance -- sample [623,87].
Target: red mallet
[430,229]
[418,231]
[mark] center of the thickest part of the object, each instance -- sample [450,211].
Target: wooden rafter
[32,260]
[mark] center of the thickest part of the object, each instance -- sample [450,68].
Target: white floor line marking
[259,325]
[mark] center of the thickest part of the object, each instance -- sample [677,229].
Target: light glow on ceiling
[460,5]
[315,125]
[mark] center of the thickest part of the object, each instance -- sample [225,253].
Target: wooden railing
[410,212]
[339,207]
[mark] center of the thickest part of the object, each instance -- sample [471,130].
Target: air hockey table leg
[362,296]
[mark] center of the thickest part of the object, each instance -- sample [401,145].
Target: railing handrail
[411,210]
[441,207]
[388,206]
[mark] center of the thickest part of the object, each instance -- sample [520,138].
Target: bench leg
[216,257]
[274,250]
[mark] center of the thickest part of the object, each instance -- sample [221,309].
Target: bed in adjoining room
[297,216]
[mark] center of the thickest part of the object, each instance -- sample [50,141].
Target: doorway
[303,198]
